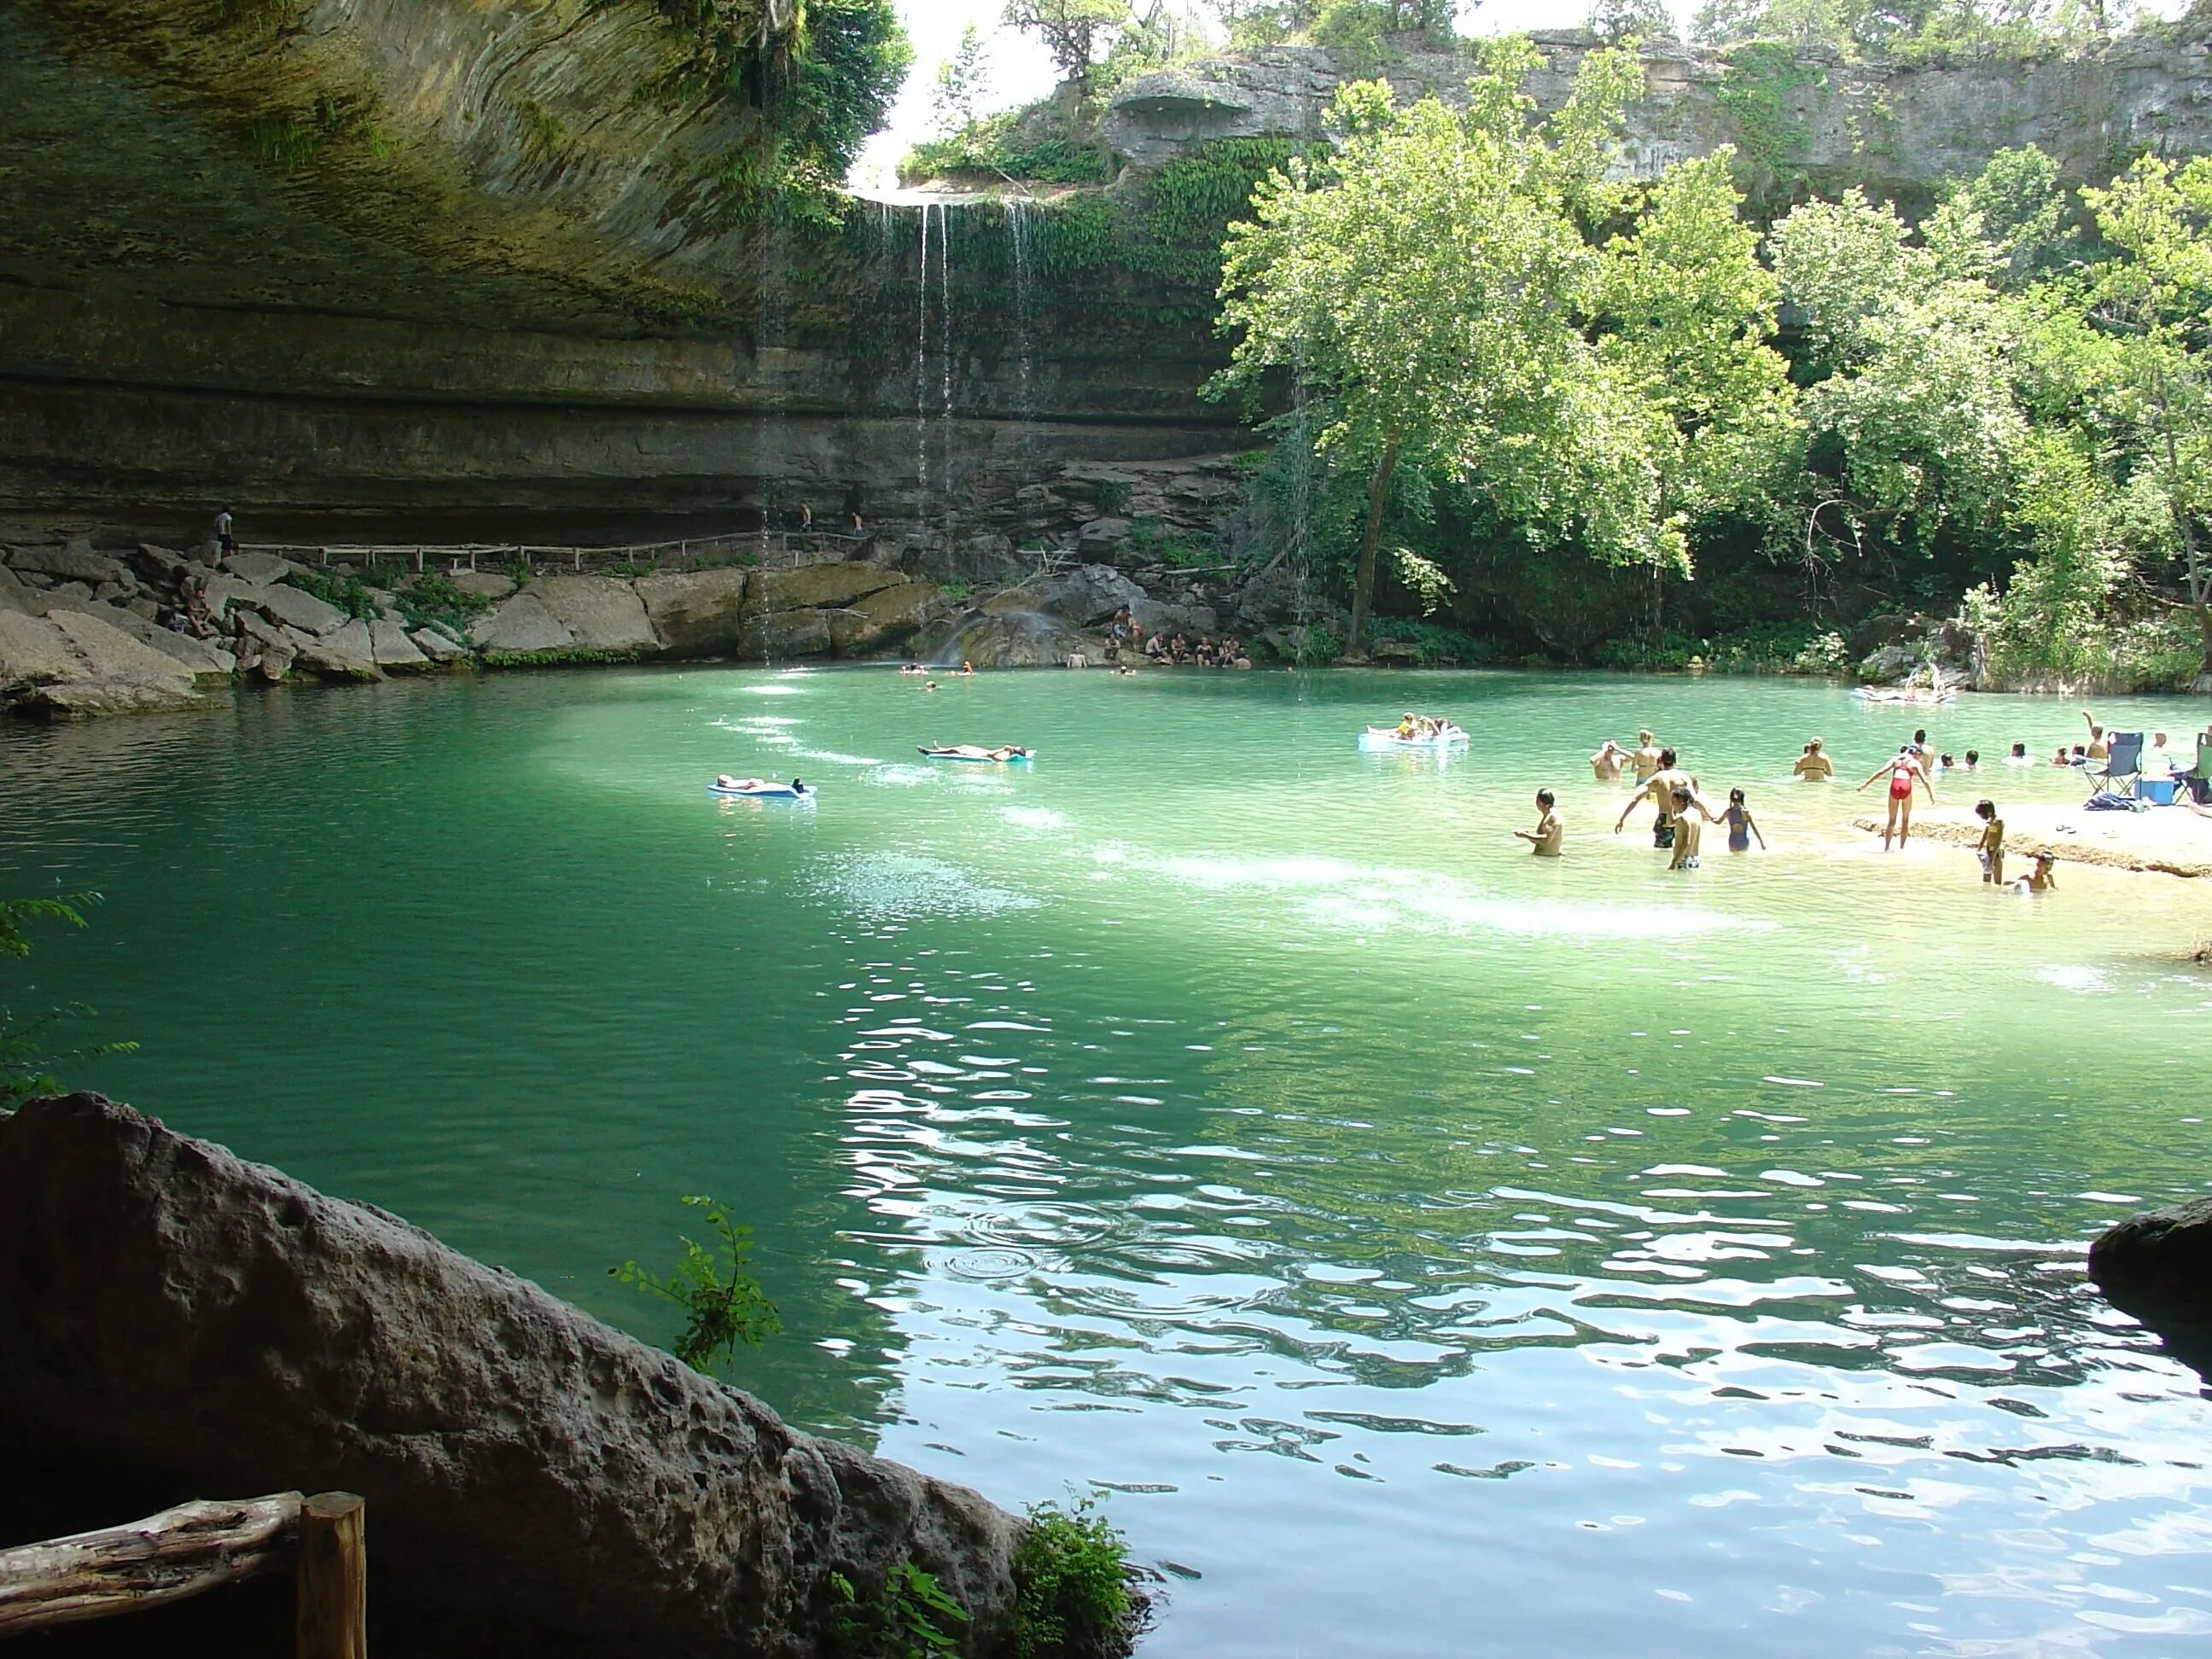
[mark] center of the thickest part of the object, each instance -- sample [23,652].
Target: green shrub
[909,1620]
[347,593]
[434,597]
[723,1303]
[1071,1578]
[24,1059]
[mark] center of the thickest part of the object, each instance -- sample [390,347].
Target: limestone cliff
[441,268]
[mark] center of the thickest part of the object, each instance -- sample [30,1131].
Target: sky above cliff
[1020,71]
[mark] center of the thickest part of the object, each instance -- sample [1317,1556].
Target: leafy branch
[724,1304]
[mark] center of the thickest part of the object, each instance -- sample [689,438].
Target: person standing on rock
[225,542]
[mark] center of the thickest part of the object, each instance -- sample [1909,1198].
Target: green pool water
[1434,1250]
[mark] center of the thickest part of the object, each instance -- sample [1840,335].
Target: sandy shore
[2167,840]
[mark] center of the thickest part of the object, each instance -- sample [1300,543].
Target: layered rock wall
[388,265]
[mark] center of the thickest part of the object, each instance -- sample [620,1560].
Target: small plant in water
[24,1059]
[908,1621]
[1071,1571]
[723,1303]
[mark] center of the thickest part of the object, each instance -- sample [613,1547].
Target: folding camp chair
[2197,779]
[2122,764]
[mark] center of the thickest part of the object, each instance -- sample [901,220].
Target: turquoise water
[1437,1251]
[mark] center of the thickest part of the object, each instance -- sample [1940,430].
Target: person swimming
[1742,825]
[1814,765]
[2020,756]
[2044,879]
[1545,839]
[1605,764]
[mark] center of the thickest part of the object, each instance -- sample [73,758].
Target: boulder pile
[85,631]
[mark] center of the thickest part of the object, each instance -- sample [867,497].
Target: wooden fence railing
[197,1547]
[768,546]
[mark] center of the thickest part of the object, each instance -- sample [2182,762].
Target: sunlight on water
[1431,1250]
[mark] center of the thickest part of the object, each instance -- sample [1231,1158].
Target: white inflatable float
[757,789]
[1380,738]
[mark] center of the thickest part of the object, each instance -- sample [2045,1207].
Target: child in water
[2044,879]
[1989,849]
[1544,840]
[1741,828]
[1686,830]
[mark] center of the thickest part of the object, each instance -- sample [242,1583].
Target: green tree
[1617,20]
[1438,291]
[956,102]
[1919,403]
[2151,298]
[1075,32]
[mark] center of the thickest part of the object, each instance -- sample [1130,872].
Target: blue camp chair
[2122,764]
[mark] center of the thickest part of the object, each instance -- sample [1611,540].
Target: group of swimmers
[1681,813]
[1412,726]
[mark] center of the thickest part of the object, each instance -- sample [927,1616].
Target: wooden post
[333,1582]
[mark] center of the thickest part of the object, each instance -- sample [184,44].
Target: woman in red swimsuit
[1902,772]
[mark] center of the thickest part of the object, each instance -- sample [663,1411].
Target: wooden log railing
[767,546]
[199,1547]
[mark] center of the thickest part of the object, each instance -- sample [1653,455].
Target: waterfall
[945,360]
[1025,408]
[922,382]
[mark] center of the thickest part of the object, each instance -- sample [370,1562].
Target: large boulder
[1087,594]
[159,565]
[696,613]
[1157,616]
[520,627]
[70,663]
[16,596]
[76,562]
[296,608]
[818,587]
[434,646]
[393,651]
[343,654]
[536,1482]
[1010,638]
[483,584]
[602,613]
[202,658]
[780,636]
[2158,1266]
[878,621]
[260,568]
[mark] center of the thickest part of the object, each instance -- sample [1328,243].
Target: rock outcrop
[2158,1266]
[67,663]
[537,1483]
[601,614]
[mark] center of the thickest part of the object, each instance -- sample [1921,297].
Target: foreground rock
[2158,1266]
[537,1483]
[67,663]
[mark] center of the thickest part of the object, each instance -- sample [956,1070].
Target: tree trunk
[1379,496]
[2197,596]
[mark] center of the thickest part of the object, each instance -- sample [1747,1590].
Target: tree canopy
[1441,292]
